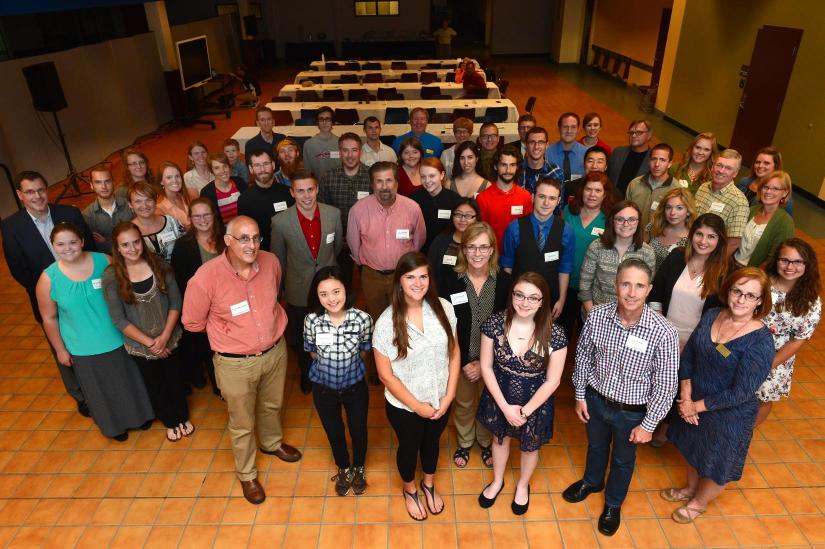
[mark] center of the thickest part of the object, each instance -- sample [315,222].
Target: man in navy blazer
[28,250]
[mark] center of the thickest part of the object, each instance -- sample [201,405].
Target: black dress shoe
[517,508]
[122,437]
[609,520]
[485,502]
[579,490]
[83,408]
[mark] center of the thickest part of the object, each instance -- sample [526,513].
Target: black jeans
[196,357]
[355,400]
[416,436]
[166,392]
[295,315]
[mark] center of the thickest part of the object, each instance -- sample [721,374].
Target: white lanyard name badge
[279,206]
[402,234]
[636,344]
[459,298]
[362,194]
[516,210]
[449,260]
[323,338]
[444,214]
[717,207]
[335,154]
[551,256]
[239,308]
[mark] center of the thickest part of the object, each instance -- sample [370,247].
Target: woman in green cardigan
[769,223]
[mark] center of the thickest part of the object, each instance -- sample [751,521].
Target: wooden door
[768,75]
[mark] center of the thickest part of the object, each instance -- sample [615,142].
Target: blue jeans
[608,424]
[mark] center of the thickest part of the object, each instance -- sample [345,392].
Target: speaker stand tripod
[74,176]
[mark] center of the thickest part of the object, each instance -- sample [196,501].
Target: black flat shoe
[486,502]
[609,520]
[578,491]
[517,508]
[147,425]
[122,437]
[83,408]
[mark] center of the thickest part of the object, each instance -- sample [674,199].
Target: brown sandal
[674,495]
[682,514]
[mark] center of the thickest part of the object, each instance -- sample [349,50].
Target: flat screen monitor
[193,62]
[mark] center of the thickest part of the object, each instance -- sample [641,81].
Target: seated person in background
[265,120]
[431,144]
[107,210]
[459,73]
[232,150]
[473,78]
[374,150]
[526,122]
[250,86]
[489,143]
[321,150]
[288,160]
[462,130]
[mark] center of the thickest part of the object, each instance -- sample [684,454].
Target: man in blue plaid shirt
[627,364]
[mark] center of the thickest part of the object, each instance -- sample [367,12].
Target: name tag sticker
[636,343]
[239,308]
[717,207]
[335,154]
[448,260]
[323,338]
[654,205]
[97,283]
[516,210]
[459,298]
[429,151]
[402,234]
[330,238]
[551,256]
[362,194]
[279,206]
[444,214]
[597,231]
[684,183]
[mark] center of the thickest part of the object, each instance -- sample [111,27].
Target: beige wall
[115,92]
[521,26]
[630,28]
[716,39]
[224,50]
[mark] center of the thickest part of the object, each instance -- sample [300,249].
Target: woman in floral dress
[794,274]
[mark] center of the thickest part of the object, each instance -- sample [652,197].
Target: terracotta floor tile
[715,532]
[232,536]
[130,536]
[198,536]
[32,486]
[541,534]
[405,536]
[29,536]
[796,500]
[339,510]
[301,535]
[16,511]
[764,502]
[208,510]
[79,512]
[509,534]
[266,536]
[122,485]
[239,511]
[186,484]
[750,531]
[565,510]
[306,509]
[373,536]
[218,484]
[46,512]
[175,511]
[161,537]
[62,536]
[275,510]
[336,536]
[813,526]
[110,512]
[143,511]
[578,533]
[646,532]
[784,530]
[809,474]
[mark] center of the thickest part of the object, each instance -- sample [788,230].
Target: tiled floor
[62,484]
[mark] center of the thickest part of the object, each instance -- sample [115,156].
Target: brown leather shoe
[285,452]
[253,491]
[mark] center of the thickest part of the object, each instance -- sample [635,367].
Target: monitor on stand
[195,71]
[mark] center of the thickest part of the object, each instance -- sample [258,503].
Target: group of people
[688,304]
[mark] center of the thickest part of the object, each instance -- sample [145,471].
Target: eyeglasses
[324,119]
[483,249]
[489,136]
[204,217]
[32,192]
[261,166]
[531,299]
[246,239]
[774,189]
[737,293]
[539,143]
[626,220]
[465,217]
[795,263]
[634,133]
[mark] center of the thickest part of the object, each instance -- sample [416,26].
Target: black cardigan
[669,272]
[186,259]
[451,284]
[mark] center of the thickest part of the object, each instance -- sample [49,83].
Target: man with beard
[264,199]
[289,161]
[505,201]
[488,144]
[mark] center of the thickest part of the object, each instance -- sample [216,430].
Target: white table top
[378,108]
[412,64]
[410,90]
[388,74]
[508,130]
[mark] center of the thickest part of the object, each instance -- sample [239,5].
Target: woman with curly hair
[794,274]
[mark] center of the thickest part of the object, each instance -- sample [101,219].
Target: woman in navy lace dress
[725,361]
[522,357]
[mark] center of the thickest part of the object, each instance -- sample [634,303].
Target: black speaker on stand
[47,96]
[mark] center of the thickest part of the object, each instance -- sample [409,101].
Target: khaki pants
[468,429]
[377,289]
[254,392]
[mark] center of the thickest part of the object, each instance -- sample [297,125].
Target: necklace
[720,347]
[695,272]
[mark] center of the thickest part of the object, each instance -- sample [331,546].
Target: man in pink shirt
[234,298]
[505,201]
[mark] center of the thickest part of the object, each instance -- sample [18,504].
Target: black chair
[384,92]
[442,118]
[465,113]
[476,92]
[449,77]
[432,66]
[398,65]
[332,95]
[373,77]
[308,118]
[349,78]
[494,114]
[428,77]
[409,77]
[282,118]
[395,97]
[428,92]
[371,66]
[346,117]
[396,115]
[332,66]
[304,96]
[315,79]
[359,94]
[281,99]
[352,66]
[528,107]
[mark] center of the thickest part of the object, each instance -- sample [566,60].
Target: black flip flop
[413,496]
[431,492]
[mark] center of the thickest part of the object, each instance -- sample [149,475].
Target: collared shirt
[528,177]
[499,208]
[647,197]
[597,278]
[728,203]
[194,181]
[312,230]
[378,236]
[239,316]
[512,239]
[432,144]
[635,365]
[343,191]
[45,225]
[338,363]
[555,155]
[425,370]
[101,222]
[385,154]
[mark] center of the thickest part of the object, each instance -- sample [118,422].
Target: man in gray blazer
[627,163]
[305,238]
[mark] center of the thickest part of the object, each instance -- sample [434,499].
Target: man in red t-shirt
[505,201]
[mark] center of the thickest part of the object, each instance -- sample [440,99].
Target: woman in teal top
[77,323]
[586,214]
